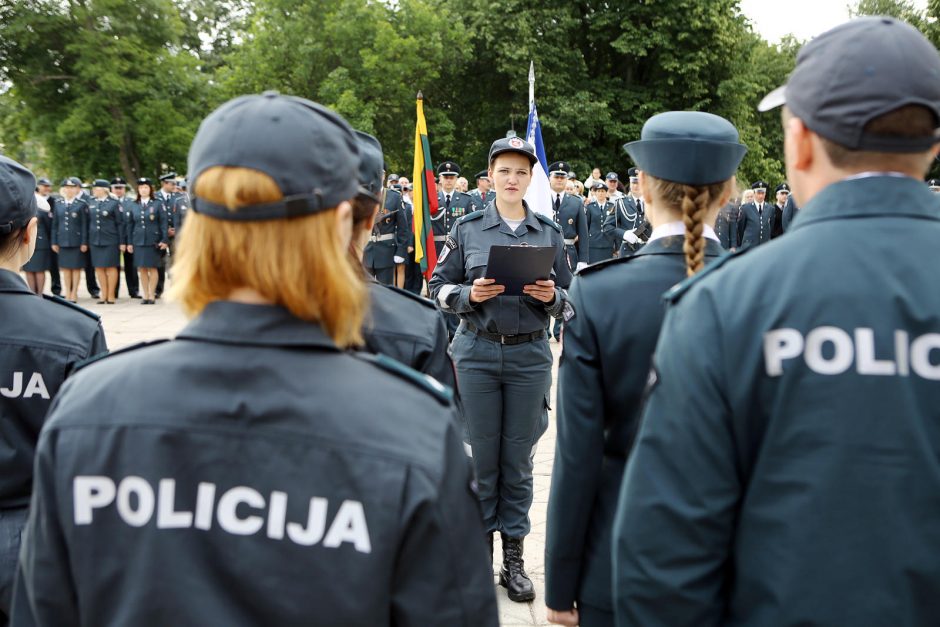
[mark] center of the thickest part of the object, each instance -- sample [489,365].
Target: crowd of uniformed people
[741,440]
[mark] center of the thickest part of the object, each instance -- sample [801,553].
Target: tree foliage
[98,87]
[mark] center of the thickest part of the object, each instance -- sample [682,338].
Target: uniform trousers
[504,391]
[593,616]
[12,522]
[385,276]
[414,280]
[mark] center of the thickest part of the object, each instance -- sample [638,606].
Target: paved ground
[128,322]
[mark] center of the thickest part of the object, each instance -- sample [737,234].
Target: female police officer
[261,476]
[504,365]
[147,236]
[40,341]
[70,235]
[687,162]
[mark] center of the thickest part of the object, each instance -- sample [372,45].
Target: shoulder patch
[87,362]
[600,265]
[415,297]
[476,215]
[676,293]
[443,394]
[61,301]
[548,221]
[449,244]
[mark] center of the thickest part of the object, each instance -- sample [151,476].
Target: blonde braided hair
[693,202]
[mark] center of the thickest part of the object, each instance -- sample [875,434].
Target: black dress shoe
[136,296]
[512,575]
[95,294]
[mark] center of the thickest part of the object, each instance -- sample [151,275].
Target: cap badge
[515,142]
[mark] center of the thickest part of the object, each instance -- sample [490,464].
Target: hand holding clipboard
[517,271]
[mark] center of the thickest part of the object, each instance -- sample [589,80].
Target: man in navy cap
[483,194]
[167,195]
[119,191]
[787,465]
[44,189]
[756,221]
[782,195]
[613,187]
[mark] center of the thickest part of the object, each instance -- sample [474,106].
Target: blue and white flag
[539,194]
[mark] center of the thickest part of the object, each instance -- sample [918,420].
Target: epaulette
[87,362]
[598,265]
[61,301]
[548,221]
[674,294]
[443,394]
[415,297]
[476,215]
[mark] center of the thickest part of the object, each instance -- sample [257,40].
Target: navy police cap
[559,168]
[598,185]
[759,186]
[102,183]
[783,187]
[44,181]
[308,150]
[71,181]
[933,183]
[482,174]
[513,144]
[17,195]
[633,174]
[371,169]
[448,168]
[117,181]
[169,176]
[689,147]
[612,176]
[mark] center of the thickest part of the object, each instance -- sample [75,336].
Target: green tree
[367,60]
[103,86]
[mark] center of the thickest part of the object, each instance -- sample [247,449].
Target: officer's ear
[800,145]
[641,181]
[29,233]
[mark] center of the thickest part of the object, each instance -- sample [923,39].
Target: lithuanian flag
[425,200]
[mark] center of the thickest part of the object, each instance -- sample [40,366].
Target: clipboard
[517,266]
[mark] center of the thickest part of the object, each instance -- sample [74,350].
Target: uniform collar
[865,198]
[227,322]
[11,282]
[678,228]
[491,217]
[672,245]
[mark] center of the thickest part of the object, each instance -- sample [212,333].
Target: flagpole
[531,84]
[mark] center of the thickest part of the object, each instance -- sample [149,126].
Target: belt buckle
[502,339]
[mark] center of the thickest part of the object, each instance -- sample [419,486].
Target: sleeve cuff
[554,310]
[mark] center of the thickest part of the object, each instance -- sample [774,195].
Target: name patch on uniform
[240,511]
[449,244]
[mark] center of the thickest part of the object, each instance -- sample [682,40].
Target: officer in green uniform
[504,365]
[688,160]
[263,474]
[41,340]
[787,466]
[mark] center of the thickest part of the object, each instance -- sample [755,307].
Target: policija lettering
[36,386]
[832,351]
[136,503]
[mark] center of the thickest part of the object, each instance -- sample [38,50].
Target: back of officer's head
[687,161]
[17,210]
[271,177]
[864,96]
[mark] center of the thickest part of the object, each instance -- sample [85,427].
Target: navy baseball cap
[690,147]
[612,176]
[371,168]
[308,150]
[599,185]
[513,144]
[17,195]
[856,72]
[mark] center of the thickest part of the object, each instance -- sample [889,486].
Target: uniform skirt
[41,261]
[105,256]
[71,258]
[146,256]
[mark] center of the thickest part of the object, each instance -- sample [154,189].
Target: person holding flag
[504,364]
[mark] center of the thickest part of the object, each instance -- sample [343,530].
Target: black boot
[512,575]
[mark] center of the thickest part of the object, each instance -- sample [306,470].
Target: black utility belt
[520,338]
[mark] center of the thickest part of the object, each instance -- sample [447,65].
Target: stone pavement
[128,322]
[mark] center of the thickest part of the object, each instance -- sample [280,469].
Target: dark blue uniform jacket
[262,477]
[605,360]
[787,468]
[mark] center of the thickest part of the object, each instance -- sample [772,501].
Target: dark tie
[557,202]
[447,201]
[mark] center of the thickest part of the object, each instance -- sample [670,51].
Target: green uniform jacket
[787,468]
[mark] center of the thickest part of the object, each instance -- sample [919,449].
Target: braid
[694,207]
